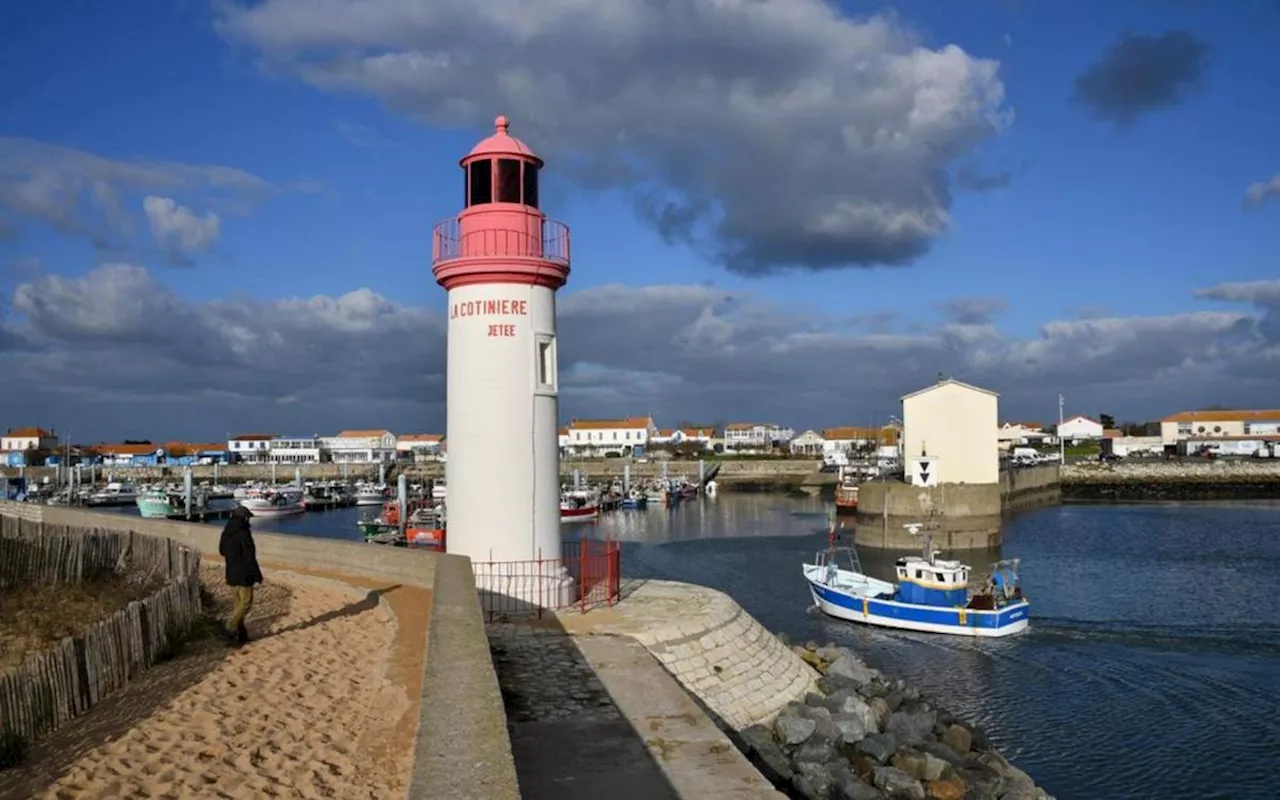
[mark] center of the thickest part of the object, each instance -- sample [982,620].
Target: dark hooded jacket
[237,549]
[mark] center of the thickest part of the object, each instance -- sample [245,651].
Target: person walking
[238,551]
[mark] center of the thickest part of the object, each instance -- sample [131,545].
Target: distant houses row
[1224,431]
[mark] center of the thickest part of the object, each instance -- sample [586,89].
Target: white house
[1080,427]
[955,424]
[374,446]
[809,443]
[1210,424]
[850,438]
[755,435]
[689,437]
[28,438]
[250,448]
[420,447]
[603,436]
[1021,433]
[294,450]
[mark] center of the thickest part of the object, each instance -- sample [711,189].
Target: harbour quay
[1185,479]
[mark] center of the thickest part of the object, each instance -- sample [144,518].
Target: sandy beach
[311,708]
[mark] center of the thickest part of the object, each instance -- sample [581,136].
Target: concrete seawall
[717,651]
[1172,480]
[746,474]
[972,512]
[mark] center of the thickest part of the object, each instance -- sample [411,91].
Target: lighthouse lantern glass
[530,184]
[480,183]
[508,180]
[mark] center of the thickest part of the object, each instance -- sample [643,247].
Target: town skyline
[223,226]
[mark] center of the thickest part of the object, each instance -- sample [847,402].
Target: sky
[215,217]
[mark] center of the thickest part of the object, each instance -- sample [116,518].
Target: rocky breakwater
[1172,480]
[862,736]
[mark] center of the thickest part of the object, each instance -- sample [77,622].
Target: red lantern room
[501,236]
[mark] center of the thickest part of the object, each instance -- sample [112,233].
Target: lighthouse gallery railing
[595,566]
[449,243]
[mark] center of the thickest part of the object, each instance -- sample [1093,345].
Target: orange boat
[426,529]
[847,491]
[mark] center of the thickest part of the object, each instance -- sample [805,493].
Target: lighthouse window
[545,368]
[508,180]
[481,183]
[530,185]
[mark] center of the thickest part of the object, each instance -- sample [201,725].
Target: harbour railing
[510,589]
[550,242]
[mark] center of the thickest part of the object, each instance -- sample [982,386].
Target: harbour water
[1152,668]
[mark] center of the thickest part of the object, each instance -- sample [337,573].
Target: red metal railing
[551,243]
[530,588]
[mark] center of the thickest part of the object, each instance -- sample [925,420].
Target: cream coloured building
[956,424]
[1217,424]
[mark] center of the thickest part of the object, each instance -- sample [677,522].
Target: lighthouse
[501,261]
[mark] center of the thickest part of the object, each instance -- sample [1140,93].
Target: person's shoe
[242,634]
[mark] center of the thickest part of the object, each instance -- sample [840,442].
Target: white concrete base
[523,586]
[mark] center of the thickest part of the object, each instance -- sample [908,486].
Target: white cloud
[161,365]
[767,132]
[81,193]
[177,229]
[1261,190]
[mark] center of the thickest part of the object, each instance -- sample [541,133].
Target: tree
[1107,420]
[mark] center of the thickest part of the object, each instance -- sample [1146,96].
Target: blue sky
[1081,215]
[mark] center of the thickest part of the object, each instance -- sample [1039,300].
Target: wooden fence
[53,686]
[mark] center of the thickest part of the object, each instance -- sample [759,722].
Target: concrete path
[568,738]
[697,759]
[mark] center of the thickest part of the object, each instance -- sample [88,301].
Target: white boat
[368,495]
[116,493]
[579,505]
[931,595]
[274,501]
[439,491]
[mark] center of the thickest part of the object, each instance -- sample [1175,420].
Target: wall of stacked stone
[1172,480]
[741,672]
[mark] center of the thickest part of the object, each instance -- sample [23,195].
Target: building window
[545,368]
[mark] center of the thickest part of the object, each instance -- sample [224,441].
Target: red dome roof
[502,143]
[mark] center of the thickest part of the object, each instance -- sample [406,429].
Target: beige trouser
[244,601]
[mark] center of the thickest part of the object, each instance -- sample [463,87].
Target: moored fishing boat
[931,594]
[116,493]
[369,495]
[426,528]
[159,503]
[847,490]
[579,505]
[274,501]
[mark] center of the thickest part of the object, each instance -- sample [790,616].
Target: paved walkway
[594,716]
[568,738]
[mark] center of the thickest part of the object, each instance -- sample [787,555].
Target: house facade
[756,435]
[1080,427]
[420,447]
[1012,434]
[697,438]
[250,448]
[808,443]
[1185,425]
[850,439]
[373,446]
[956,424]
[295,450]
[609,436]
[28,438]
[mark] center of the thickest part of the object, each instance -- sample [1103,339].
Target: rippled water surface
[1151,670]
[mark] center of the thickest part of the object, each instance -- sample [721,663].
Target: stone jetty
[1172,480]
[862,736]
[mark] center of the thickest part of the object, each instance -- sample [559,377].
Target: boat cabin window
[940,577]
[920,574]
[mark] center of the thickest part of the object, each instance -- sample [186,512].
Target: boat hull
[1011,619]
[151,508]
[264,509]
[586,514]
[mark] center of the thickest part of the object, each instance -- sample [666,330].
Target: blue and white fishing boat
[931,594]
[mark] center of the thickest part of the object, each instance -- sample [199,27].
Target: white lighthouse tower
[501,261]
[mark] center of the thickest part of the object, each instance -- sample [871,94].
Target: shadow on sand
[52,756]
